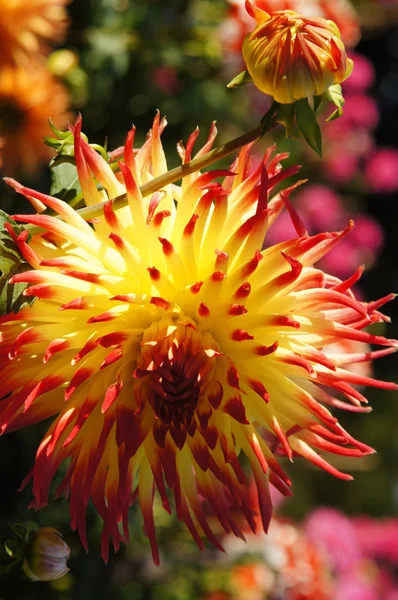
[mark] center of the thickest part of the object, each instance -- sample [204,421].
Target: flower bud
[290,56]
[46,556]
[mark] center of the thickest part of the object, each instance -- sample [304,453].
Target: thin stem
[89,212]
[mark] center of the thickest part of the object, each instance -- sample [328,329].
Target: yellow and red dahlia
[27,99]
[27,26]
[342,12]
[166,344]
[290,56]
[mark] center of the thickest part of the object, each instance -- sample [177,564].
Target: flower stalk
[197,164]
[174,175]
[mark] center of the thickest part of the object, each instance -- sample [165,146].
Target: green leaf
[334,94]
[308,125]
[317,102]
[20,531]
[240,80]
[11,263]
[4,556]
[285,116]
[65,180]
[62,147]
[13,549]
[63,135]
[64,142]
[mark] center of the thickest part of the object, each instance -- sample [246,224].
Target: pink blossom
[165,78]
[378,538]
[381,171]
[334,534]
[337,130]
[363,75]
[341,165]
[367,234]
[354,585]
[321,208]
[361,110]
[282,230]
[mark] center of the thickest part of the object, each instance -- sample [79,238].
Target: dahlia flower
[289,565]
[27,98]
[341,12]
[26,26]
[166,344]
[290,56]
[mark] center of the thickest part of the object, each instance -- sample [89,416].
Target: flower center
[292,22]
[177,362]
[11,116]
[176,389]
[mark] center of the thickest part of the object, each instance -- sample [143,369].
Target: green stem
[89,212]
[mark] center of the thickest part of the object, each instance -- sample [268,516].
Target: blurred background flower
[29,27]
[28,97]
[29,94]
[329,556]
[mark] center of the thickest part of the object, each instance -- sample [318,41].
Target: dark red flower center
[176,390]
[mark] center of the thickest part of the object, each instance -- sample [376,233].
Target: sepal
[335,95]
[240,80]
[298,119]
[308,125]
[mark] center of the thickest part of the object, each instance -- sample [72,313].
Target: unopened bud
[46,555]
[291,57]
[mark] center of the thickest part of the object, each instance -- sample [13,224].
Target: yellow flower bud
[290,56]
[46,556]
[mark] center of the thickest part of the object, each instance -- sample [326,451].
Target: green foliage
[286,117]
[65,181]
[335,95]
[11,263]
[242,79]
[308,125]
[63,142]
[64,177]
[13,548]
[6,560]
[140,57]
